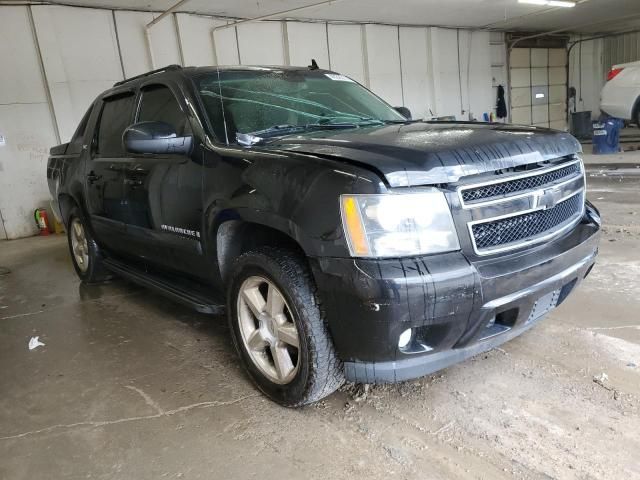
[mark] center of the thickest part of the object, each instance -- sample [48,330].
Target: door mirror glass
[404,111]
[155,137]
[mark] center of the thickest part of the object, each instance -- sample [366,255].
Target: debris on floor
[35,343]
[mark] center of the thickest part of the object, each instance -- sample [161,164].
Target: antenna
[314,65]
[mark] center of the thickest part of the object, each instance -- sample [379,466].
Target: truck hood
[427,153]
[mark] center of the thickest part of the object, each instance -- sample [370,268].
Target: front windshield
[255,101]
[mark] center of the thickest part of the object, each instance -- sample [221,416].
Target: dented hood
[429,153]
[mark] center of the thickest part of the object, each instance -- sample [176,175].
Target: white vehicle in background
[620,96]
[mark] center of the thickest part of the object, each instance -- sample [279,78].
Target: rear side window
[116,116]
[160,105]
[78,136]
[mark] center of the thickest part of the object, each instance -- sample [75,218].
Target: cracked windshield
[246,106]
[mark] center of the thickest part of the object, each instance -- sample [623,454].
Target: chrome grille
[523,208]
[519,185]
[529,225]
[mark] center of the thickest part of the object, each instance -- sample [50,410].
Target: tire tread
[325,370]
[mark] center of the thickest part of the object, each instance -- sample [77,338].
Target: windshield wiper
[408,120]
[354,120]
[258,136]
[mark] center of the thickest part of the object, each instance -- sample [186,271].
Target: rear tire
[278,327]
[85,253]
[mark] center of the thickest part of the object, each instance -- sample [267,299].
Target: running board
[196,300]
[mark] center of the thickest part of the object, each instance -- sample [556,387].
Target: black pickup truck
[343,239]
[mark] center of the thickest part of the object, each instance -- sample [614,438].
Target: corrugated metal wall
[621,49]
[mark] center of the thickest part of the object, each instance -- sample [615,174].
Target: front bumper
[455,307]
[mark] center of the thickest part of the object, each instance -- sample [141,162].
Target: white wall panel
[25,124]
[261,43]
[307,41]
[226,46]
[196,40]
[416,77]
[133,44]
[383,57]
[20,78]
[80,55]
[444,51]
[164,43]
[475,65]
[345,51]
[23,165]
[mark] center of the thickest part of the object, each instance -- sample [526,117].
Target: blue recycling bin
[606,135]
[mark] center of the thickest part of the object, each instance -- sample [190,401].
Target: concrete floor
[132,386]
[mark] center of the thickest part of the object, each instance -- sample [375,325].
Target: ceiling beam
[276,14]
[169,11]
[568,29]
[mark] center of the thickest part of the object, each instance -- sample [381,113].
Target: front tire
[85,253]
[278,328]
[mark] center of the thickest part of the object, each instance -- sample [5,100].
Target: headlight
[396,225]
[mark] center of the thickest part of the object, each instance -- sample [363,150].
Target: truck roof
[189,71]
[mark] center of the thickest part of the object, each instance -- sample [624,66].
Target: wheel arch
[66,202]
[235,237]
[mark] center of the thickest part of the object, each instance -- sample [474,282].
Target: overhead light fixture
[561,3]
[550,3]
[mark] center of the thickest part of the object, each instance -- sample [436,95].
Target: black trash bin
[580,124]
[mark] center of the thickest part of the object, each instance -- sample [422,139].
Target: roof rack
[168,68]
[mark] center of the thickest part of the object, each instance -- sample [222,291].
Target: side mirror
[155,137]
[404,111]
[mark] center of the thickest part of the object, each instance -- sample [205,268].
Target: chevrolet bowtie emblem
[549,197]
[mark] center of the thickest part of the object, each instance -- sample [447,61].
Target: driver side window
[160,105]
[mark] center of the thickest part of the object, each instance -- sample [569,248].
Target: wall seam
[434,82]
[365,55]
[238,45]
[178,37]
[4,228]
[400,62]
[115,27]
[43,72]
[213,46]
[285,42]
[459,72]
[326,30]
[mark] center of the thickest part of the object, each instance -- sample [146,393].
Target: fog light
[405,338]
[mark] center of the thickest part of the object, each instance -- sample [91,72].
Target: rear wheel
[279,330]
[85,253]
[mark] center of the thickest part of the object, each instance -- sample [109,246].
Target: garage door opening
[539,86]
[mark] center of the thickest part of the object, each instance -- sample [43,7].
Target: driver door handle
[92,177]
[133,183]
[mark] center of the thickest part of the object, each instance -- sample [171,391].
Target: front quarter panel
[293,193]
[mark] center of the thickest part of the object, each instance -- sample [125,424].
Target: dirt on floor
[129,385]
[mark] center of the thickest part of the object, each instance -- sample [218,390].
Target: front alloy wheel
[268,332]
[279,329]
